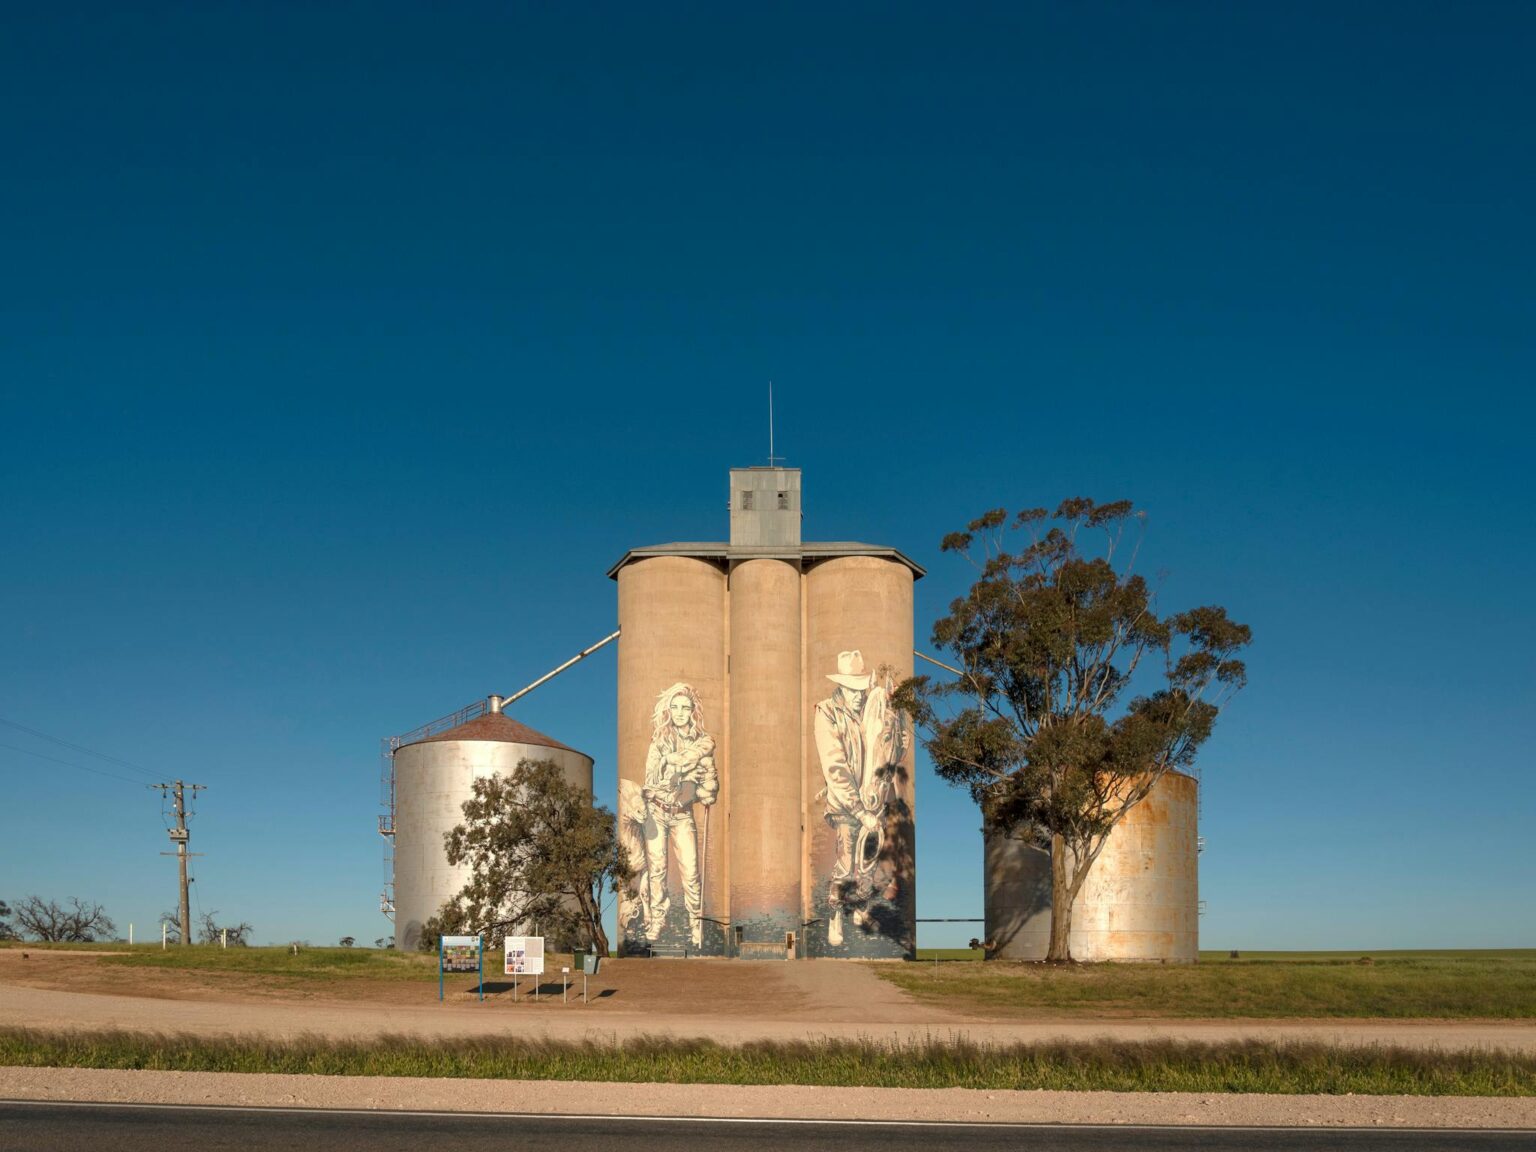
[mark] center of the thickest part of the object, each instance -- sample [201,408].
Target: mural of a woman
[679,773]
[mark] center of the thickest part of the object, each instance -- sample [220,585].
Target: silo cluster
[433,777]
[1140,901]
[765,780]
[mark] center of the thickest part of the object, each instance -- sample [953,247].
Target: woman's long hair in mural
[662,730]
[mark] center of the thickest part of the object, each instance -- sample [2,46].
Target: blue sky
[342,351]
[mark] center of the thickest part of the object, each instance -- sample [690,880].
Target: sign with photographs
[461,953]
[525,956]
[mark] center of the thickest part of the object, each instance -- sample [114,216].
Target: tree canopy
[1051,637]
[210,931]
[541,855]
[77,922]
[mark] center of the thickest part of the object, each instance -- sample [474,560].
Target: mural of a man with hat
[859,739]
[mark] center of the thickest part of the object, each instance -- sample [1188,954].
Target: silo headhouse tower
[765,779]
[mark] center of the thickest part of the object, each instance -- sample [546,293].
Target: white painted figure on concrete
[632,842]
[860,740]
[679,774]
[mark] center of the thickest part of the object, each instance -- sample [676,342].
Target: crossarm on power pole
[180,836]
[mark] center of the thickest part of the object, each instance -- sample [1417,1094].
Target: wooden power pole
[179,835]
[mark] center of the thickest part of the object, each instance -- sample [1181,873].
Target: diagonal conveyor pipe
[499,702]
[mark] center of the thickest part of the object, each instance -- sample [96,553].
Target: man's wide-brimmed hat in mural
[850,671]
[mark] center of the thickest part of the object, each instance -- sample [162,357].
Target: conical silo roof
[499,728]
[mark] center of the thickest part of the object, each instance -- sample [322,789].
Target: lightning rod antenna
[772,459]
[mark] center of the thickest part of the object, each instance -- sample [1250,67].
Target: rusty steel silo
[433,777]
[1141,901]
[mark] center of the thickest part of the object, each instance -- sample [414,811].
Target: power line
[81,767]
[119,761]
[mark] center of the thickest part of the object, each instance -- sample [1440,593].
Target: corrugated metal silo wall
[432,781]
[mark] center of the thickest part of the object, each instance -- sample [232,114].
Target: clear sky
[343,348]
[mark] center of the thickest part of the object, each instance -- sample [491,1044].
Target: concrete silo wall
[859,879]
[672,615]
[433,779]
[1139,902]
[765,765]
[756,738]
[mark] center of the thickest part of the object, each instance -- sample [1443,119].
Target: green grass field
[308,964]
[1492,984]
[1156,1066]
[942,955]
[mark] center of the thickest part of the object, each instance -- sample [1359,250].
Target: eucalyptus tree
[1055,633]
[539,852]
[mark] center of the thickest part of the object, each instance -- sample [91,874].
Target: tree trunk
[1061,903]
[592,910]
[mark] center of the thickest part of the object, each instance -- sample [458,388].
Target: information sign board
[525,956]
[460,954]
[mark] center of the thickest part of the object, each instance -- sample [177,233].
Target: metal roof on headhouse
[497,726]
[765,513]
[804,555]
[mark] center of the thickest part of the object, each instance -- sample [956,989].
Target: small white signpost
[525,957]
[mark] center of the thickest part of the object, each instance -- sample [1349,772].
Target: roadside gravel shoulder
[582,1098]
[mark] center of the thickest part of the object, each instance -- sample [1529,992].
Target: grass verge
[1406,985]
[306,964]
[1145,1066]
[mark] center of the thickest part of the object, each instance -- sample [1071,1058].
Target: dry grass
[325,964]
[1390,985]
[1148,1066]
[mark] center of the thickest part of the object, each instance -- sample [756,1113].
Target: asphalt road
[154,1128]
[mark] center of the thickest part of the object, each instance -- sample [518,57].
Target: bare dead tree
[77,922]
[210,931]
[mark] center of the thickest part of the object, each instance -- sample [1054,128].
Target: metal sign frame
[458,942]
[524,956]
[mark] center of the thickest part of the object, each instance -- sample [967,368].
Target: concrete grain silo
[1141,900]
[765,785]
[433,777]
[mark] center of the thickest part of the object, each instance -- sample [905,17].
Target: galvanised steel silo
[433,777]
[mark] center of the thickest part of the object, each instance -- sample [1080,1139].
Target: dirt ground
[647,995]
[731,1002]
